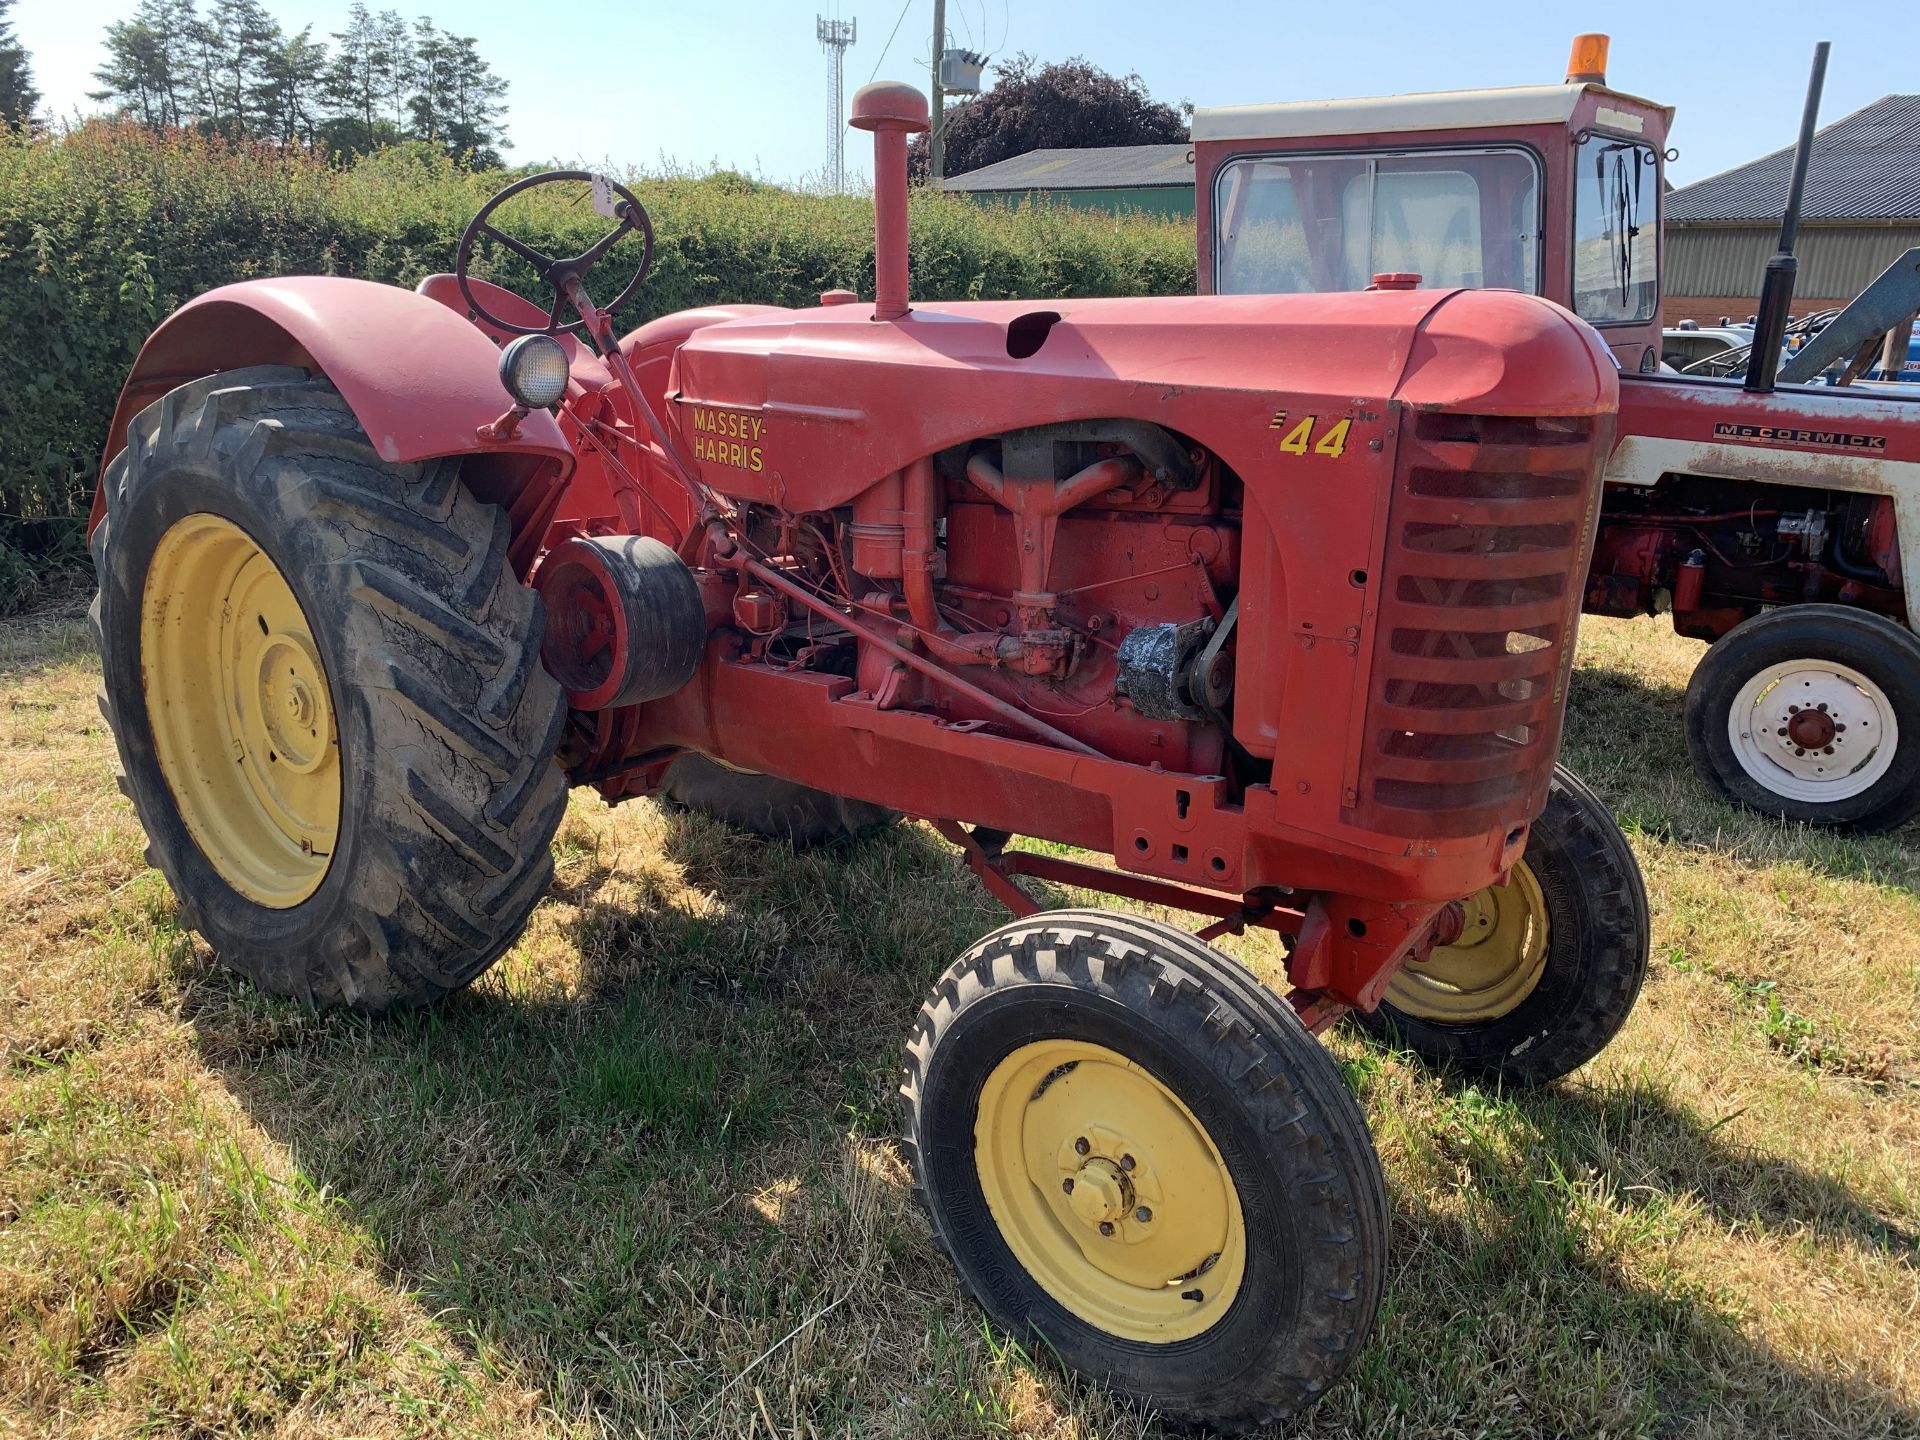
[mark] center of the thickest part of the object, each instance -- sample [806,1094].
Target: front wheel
[1800,713]
[1547,966]
[1139,1160]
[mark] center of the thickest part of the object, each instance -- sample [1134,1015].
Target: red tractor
[1777,522]
[1270,599]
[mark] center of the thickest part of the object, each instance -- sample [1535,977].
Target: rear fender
[420,379]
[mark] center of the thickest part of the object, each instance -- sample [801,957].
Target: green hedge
[105,230]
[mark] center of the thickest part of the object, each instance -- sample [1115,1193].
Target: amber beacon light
[1587,60]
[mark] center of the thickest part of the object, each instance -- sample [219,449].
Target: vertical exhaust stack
[1776,290]
[892,110]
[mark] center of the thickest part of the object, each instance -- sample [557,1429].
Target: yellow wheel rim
[1495,964]
[242,718]
[1109,1192]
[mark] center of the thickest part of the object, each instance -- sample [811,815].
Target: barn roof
[1862,168]
[1109,167]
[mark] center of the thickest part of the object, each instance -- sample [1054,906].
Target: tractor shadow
[628,1186]
[1637,1143]
[1562,1205]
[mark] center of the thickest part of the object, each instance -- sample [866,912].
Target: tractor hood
[806,408]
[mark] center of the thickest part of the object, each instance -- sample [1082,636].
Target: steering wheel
[554,271]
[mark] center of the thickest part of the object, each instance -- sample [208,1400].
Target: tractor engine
[1075,571]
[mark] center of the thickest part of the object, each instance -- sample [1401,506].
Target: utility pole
[835,36]
[937,142]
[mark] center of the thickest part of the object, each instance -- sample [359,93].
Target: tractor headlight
[534,371]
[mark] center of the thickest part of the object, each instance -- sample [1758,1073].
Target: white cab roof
[1433,110]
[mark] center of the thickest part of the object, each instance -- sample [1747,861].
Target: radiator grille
[1488,538]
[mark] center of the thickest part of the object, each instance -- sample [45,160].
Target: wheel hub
[1493,965]
[241,711]
[1108,1191]
[1101,1192]
[291,701]
[1813,730]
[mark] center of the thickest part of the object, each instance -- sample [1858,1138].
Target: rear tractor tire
[1811,713]
[769,807]
[324,682]
[1547,966]
[1140,1161]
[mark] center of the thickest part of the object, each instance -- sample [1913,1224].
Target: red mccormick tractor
[1777,522]
[1270,599]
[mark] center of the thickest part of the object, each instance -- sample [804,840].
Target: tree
[358,81]
[235,71]
[149,63]
[432,64]
[292,93]
[1070,104]
[17,95]
[397,46]
[471,115]
[240,41]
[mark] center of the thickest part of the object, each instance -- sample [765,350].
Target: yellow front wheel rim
[241,713]
[1109,1192]
[1495,964]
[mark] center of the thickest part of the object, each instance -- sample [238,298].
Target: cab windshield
[1290,223]
[1616,262]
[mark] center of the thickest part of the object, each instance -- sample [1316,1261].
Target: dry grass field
[639,1181]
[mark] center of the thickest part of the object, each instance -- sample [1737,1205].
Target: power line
[890,34]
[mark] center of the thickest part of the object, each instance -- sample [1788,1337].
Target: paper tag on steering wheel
[604,200]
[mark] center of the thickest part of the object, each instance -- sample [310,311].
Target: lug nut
[1080,1146]
[1106,1227]
[1126,1162]
[1143,1215]
[1067,1185]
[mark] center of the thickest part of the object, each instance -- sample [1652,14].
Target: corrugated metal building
[1861,209]
[1154,178]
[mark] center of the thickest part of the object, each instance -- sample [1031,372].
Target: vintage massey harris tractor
[1777,521]
[1270,599]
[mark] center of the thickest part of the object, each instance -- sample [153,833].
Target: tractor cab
[1553,190]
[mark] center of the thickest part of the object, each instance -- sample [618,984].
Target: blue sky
[743,82]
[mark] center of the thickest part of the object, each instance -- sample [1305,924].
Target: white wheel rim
[1784,710]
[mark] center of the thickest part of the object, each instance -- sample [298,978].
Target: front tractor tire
[1811,713]
[1547,966]
[324,682]
[1140,1161]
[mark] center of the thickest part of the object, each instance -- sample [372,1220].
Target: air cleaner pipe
[892,110]
[1776,290]
[918,520]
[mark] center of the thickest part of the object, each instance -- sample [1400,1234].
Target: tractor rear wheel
[324,683]
[1139,1160]
[767,806]
[1800,713]
[1547,966]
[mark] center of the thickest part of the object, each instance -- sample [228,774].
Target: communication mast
[835,36]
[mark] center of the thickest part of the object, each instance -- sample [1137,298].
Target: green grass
[640,1180]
